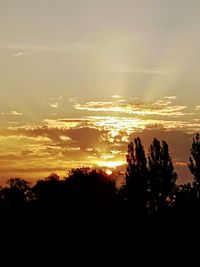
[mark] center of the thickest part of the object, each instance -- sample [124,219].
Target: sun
[108,172]
[110,164]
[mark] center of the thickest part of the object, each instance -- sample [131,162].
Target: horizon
[81,80]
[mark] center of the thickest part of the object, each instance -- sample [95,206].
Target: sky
[80,79]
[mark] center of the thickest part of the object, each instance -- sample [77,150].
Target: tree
[194,160]
[162,174]
[48,191]
[15,197]
[136,175]
[90,186]
[53,177]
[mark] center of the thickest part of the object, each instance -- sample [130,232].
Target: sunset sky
[80,78]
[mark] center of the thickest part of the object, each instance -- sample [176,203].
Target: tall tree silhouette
[136,175]
[162,174]
[194,160]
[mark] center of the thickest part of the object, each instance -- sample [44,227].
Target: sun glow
[110,164]
[108,172]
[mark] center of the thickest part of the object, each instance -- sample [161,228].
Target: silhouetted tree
[185,198]
[194,161]
[53,177]
[17,194]
[92,199]
[136,175]
[48,192]
[162,174]
[90,186]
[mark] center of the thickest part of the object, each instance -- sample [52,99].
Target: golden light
[110,164]
[108,172]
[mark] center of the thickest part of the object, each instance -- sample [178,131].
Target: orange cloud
[99,140]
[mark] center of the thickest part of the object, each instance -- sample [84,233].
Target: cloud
[116,96]
[162,107]
[197,108]
[97,140]
[38,45]
[73,99]
[41,139]
[137,71]
[54,105]
[13,112]
[173,97]
[94,130]
[19,54]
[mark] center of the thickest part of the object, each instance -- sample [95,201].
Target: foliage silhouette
[162,174]
[194,160]
[16,196]
[137,176]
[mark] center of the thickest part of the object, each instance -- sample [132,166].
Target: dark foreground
[98,240]
[84,220]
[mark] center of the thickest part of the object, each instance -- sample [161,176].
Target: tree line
[86,209]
